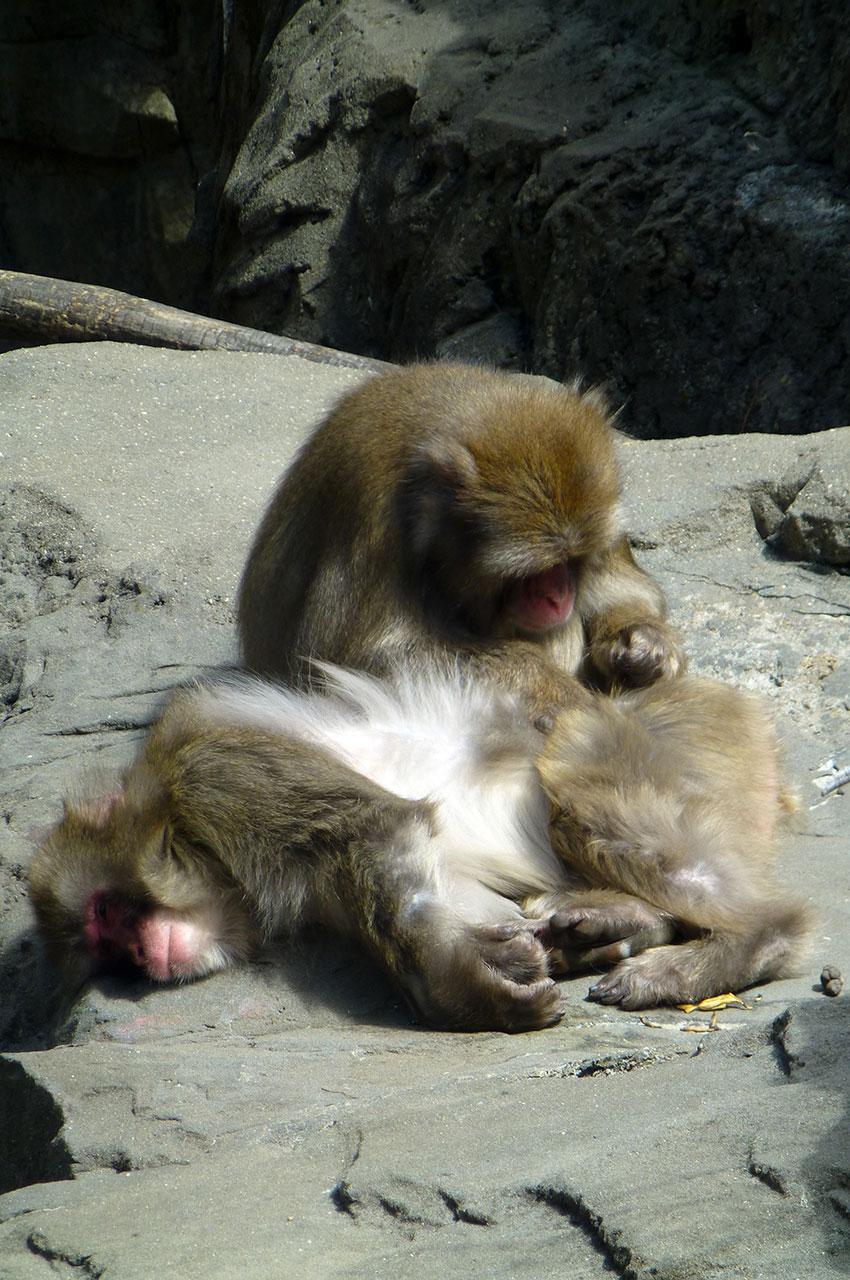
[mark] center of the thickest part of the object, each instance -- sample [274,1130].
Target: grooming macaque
[447,509]
[409,814]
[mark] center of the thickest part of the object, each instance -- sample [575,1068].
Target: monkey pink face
[165,946]
[542,600]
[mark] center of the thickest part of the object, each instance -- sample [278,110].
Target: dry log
[39,310]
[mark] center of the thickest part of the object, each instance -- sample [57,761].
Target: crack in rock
[765,1173]
[610,1064]
[128,725]
[78,1262]
[31,1122]
[790,1063]
[840,1200]
[459,1213]
[571,1205]
[343,1199]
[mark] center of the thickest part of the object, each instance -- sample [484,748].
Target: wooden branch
[39,309]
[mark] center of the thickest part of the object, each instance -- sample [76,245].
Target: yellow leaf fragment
[714,1002]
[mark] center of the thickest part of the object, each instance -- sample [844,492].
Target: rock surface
[651,194]
[289,1118]
[107,129]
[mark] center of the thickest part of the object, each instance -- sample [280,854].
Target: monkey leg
[594,928]
[462,953]
[724,960]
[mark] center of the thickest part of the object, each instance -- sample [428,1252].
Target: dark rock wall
[654,198]
[653,195]
[108,116]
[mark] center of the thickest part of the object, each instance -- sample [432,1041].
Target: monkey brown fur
[244,817]
[444,508]
[675,794]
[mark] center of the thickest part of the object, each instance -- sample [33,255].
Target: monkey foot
[593,937]
[649,980]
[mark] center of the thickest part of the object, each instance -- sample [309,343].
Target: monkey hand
[494,978]
[529,672]
[639,654]
[592,937]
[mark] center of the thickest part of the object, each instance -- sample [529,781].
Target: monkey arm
[526,669]
[520,667]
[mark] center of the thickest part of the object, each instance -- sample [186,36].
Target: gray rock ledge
[289,1118]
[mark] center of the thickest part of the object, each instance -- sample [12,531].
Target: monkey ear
[436,477]
[447,462]
[95,810]
[595,398]
[139,795]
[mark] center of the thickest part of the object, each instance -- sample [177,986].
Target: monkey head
[507,507]
[114,888]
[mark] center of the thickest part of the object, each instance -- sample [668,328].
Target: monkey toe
[615,988]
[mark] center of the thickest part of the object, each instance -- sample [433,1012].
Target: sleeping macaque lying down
[422,816]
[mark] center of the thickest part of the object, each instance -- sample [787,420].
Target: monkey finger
[605,957]
[508,982]
[514,951]
[575,929]
[572,928]
[574,956]
[564,961]
[508,929]
[530,1007]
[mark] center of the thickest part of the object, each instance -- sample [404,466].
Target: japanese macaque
[409,814]
[448,509]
